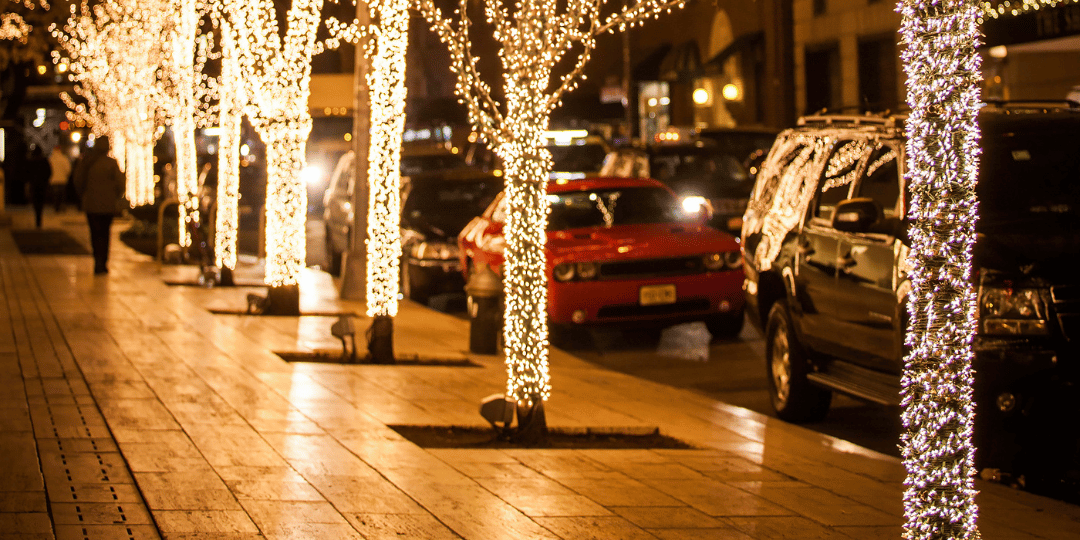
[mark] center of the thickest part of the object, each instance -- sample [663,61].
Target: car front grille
[677,266]
[1067,306]
[635,310]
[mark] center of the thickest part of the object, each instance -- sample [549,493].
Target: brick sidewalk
[131,411]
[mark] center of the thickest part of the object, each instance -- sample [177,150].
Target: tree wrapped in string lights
[534,37]
[385,42]
[276,73]
[180,80]
[15,27]
[940,38]
[231,103]
[112,55]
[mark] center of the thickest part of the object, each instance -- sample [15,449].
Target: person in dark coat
[38,171]
[100,185]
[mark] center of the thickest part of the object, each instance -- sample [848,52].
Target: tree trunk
[187,187]
[525,328]
[286,201]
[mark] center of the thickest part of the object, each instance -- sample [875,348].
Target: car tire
[726,325]
[793,397]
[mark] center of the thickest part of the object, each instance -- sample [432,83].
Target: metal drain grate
[90,489]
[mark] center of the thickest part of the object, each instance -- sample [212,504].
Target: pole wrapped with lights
[230,90]
[534,35]
[276,74]
[385,42]
[112,56]
[942,66]
[180,76]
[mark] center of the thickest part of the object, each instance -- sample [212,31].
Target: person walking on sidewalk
[58,181]
[100,186]
[37,181]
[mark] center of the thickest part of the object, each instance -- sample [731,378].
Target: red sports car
[624,250]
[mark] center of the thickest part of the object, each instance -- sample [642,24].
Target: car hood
[1046,255]
[649,241]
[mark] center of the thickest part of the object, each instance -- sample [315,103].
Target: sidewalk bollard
[485,310]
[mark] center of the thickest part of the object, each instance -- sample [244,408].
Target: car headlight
[1007,311]
[696,205]
[563,272]
[729,260]
[733,259]
[714,261]
[575,271]
[586,270]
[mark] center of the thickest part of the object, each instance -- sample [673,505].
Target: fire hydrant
[484,290]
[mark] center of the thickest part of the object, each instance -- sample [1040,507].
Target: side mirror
[855,215]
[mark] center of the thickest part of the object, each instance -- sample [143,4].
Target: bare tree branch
[483,110]
[637,13]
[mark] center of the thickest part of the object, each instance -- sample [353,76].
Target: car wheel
[411,287]
[793,397]
[726,325]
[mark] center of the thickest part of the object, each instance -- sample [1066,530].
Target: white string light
[942,67]
[1000,9]
[534,36]
[111,54]
[180,77]
[230,107]
[385,43]
[13,26]
[276,74]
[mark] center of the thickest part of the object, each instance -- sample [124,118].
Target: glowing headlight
[312,175]
[563,272]
[1012,312]
[694,204]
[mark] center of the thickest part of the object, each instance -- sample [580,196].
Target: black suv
[829,294]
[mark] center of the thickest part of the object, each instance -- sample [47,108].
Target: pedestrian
[37,171]
[61,169]
[100,186]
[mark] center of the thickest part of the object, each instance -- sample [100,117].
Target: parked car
[435,207]
[622,250]
[416,162]
[700,172]
[830,293]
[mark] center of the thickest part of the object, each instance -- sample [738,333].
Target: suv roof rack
[883,119]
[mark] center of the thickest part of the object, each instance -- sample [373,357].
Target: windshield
[1029,181]
[609,207]
[411,165]
[708,174]
[587,158]
[448,205]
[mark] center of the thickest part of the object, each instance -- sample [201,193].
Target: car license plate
[652,295]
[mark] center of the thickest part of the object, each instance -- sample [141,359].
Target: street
[734,372]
